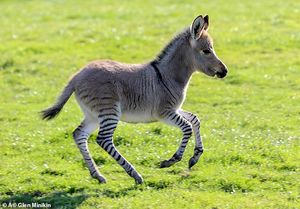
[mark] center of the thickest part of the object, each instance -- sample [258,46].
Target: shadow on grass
[151,185]
[73,198]
[55,199]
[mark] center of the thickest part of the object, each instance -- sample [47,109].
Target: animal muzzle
[222,73]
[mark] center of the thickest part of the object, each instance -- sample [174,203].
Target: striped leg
[81,135]
[198,150]
[176,119]
[108,123]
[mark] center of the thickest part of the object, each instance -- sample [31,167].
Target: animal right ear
[197,27]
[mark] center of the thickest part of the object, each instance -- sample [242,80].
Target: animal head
[205,58]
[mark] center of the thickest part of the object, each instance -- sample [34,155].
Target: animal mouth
[221,74]
[212,72]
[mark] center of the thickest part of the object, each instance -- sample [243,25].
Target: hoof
[165,164]
[137,177]
[139,180]
[100,178]
[192,162]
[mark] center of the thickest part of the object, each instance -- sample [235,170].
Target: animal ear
[206,22]
[197,27]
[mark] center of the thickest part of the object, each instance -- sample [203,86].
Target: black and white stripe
[81,137]
[178,120]
[108,124]
[198,150]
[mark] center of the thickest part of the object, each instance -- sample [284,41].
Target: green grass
[250,120]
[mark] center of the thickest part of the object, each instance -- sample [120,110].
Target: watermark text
[25,205]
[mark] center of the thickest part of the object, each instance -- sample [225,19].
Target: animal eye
[206,51]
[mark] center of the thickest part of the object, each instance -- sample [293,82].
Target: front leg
[198,150]
[174,118]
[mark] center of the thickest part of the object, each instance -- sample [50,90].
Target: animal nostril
[221,74]
[224,72]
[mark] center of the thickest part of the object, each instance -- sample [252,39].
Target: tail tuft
[53,111]
[50,113]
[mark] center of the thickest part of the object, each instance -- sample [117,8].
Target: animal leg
[176,119]
[198,150]
[81,135]
[108,122]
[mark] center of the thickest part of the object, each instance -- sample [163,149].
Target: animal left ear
[206,22]
[199,24]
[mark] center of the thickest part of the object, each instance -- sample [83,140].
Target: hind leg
[109,118]
[81,135]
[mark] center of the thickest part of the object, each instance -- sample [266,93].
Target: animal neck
[174,63]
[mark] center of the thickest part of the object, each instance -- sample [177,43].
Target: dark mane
[184,34]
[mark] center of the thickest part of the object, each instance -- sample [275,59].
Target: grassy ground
[250,120]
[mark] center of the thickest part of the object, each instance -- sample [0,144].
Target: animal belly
[137,117]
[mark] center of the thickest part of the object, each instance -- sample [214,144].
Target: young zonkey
[109,91]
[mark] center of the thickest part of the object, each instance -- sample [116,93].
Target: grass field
[250,119]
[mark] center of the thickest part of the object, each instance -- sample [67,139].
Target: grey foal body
[109,92]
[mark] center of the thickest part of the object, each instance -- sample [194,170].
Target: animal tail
[53,111]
